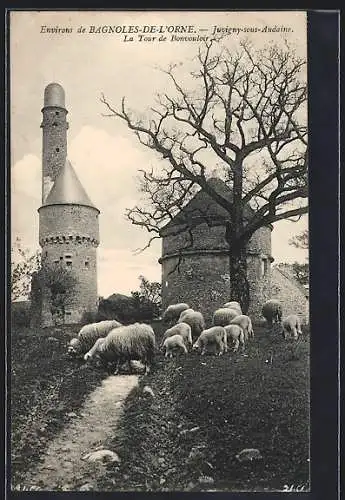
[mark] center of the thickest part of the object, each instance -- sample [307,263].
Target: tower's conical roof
[67,189]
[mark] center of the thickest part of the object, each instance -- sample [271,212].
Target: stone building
[197,271]
[68,220]
[293,296]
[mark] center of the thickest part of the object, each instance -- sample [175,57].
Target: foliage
[142,305]
[301,272]
[61,282]
[23,264]
[20,314]
[301,240]
[148,299]
[243,113]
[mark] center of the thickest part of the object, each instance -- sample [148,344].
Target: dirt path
[62,466]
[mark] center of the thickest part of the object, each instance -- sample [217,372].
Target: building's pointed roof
[67,189]
[203,207]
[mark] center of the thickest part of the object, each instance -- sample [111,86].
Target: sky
[104,153]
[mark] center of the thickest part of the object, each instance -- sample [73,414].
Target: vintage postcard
[159,267]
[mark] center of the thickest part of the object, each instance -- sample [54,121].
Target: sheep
[88,334]
[292,326]
[272,312]
[173,344]
[234,305]
[196,321]
[183,313]
[236,334]
[213,340]
[173,312]
[246,324]
[124,344]
[223,316]
[182,329]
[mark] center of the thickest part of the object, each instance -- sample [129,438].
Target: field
[204,411]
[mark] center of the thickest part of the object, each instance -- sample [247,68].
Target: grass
[256,401]
[228,403]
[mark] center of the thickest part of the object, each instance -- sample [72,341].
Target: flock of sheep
[109,342]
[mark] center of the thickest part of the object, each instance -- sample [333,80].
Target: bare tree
[242,112]
[23,265]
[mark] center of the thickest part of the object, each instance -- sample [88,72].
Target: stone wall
[68,221]
[202,281]
[54,150]
[202,277]
[69,234]
[293,297]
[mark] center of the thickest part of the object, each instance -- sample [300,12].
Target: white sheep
[174,344]
[212,341]
[246,324]
[224,315]
[235,334]
[124,344]
[272,311]
[182,329]
[183,313]
[196,321]
[88,335]
[292,326]
[234,305]
[173,311]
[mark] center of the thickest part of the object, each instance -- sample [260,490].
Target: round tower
[69,236]
[68,220]
[54,126]
[196,270]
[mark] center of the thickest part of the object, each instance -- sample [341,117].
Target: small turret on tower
[55,126]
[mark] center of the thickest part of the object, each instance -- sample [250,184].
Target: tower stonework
[68,220]
[54,127]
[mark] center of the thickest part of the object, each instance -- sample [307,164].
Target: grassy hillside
[46,388]
[230,402]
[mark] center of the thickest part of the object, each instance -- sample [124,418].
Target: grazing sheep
[173,312]
[124,344]
[182,329]
[212,341]
[292,326]
[183,313]
[246,324]
[234,305]
[88,335]
[235,334]
[174,344]
[196,321]
[223,316]
[272,311]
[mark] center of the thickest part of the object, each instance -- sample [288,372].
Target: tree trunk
[238,277]
[238,246]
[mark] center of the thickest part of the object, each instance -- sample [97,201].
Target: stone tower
[196,271]
[68,220]
[54,127]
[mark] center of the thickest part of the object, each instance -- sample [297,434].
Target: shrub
[20,314]
[88,317]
